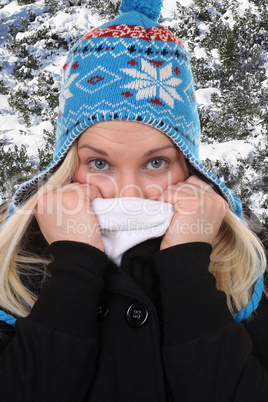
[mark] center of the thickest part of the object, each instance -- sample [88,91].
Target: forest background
[228,45]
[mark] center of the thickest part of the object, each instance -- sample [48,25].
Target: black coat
[162,332]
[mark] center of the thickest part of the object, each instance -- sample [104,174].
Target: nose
[130,186]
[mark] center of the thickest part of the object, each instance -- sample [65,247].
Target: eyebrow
[151,152]
[99,151]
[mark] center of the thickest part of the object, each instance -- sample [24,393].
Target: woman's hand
[65,214]
[199,212]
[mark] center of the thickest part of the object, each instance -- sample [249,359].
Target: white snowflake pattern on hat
[68,78]
[151,78]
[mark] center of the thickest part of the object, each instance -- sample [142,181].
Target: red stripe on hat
[134,31]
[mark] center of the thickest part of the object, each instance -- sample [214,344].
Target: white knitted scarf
[128,221]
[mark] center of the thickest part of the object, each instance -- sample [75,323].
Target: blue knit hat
[130,68]
[133,69]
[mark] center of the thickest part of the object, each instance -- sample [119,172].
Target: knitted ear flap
[150,8]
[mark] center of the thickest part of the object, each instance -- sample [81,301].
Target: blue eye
[157,164]
[98,164]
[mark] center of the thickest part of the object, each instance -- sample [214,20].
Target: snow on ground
[184,3]
[9,123]
[67,23]
[203,95]
[227,151]
[13,131]
[200,52]
[12,13]
[169,7]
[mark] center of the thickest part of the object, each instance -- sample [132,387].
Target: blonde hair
[237,259]
[15,262]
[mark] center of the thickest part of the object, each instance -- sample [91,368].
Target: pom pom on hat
[150,8]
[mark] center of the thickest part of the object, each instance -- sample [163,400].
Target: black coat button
[102,309]
[137,314]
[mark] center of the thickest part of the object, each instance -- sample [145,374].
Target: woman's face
[128,159]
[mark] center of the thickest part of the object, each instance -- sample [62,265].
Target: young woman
[128,272]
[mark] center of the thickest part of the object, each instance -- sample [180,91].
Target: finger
[91,192]
[207,188]
[174,195]
[200,183]
[193,186]
[187,188]
[80,191]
